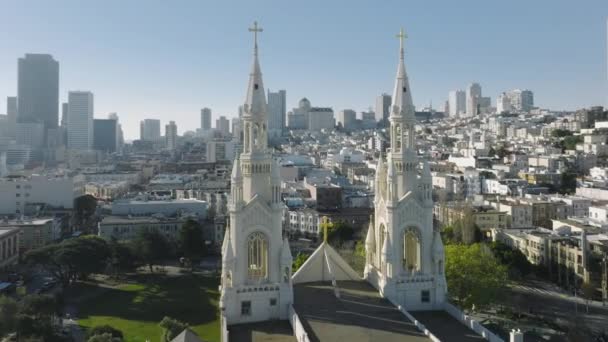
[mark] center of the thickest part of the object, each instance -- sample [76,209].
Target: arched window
[411,251]
[381,241]
[257,247]
[398,138]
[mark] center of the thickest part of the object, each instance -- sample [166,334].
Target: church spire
[255,101]
[402,99]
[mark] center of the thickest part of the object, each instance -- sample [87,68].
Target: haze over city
[349,171]
[167,61]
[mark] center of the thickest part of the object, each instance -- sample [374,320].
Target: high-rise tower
[405,258]
[256,260]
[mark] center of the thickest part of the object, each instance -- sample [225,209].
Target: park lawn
[136,308]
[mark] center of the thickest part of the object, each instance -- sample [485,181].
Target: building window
[246,308]
[273,301]
[425,296]
[411,251]
[257,247]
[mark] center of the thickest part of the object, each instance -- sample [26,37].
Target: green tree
[105,329]
[152,247]
[106,337]
[84,207]
[570,142]
[568,185]
[560,133]
[339,232]
[190,240]
[474,276]
[72,259]
[8,315]
[516,262]
[171,328]
[122,257]
[299,261]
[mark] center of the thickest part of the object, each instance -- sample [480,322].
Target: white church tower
[405,256]
[256,261]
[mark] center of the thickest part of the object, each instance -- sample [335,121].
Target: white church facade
[404,254]
[256,260]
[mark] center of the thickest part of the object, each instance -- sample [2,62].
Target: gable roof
[325,264]
[187,336]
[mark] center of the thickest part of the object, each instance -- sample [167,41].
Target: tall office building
[205,119]
[171,135]
[80,120]
[223,125]
[64,114]
[457,102]
[473,97]
[150,130]
[516,100]
[38,90]
[120,135]
[277,110]
[11,113]
[347,118]
[383,108]
[105,135]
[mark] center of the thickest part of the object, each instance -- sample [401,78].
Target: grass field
[137,306]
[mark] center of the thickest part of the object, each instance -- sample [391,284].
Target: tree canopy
[474,276]
[152,247]
[171,328]
[72,259]
[190,240]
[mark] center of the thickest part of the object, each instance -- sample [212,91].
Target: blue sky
[168,59]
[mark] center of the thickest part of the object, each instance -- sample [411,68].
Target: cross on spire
[255,29]
[402,36]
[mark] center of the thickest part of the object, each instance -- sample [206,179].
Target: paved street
[557,306]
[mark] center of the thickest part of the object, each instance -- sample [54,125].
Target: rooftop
[360,314]
[273,331]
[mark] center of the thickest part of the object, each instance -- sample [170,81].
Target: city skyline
[163,69]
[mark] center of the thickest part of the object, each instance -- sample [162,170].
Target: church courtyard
[137,305]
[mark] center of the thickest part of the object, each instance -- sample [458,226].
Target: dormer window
[255,86]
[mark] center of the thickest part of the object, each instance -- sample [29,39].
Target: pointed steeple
[426,171]
[402,105]
[236,170]
[255,101]
[370,239]
[286,257]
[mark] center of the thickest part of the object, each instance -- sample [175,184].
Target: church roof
[325,264]
[187,336]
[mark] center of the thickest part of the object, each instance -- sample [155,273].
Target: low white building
[9,247]
[166,208]
[34,233]
[127,228]
[55,191]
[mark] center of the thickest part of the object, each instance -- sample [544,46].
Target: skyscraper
[150,130]
[347,118]
[38,90]
[223,125]
[205,119]
[457,102]
[105,135]
[80,120]
[11,113]
[277,108]
[473,97]
[171,135]
[383,108]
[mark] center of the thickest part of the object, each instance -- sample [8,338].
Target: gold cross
[402,35]
[255,29]
[324,221]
